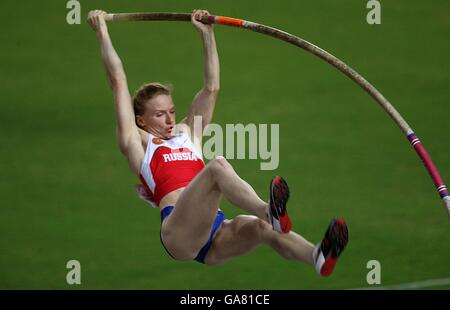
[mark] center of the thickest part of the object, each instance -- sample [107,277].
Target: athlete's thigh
[195,211]
[236,237]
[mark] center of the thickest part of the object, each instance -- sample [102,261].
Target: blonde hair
[147,92]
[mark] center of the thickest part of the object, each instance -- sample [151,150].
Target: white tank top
[168,165]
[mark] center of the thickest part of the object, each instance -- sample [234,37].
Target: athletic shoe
[277,214]
[326,253]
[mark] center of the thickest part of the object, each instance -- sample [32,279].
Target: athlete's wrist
[207,33]
[102,33]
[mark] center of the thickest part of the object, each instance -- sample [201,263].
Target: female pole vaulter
[175,179]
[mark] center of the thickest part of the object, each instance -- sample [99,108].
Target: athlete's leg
[236,190]
[187,229]
[244,233]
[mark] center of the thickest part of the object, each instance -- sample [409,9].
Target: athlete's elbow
[212,90]
[117,79]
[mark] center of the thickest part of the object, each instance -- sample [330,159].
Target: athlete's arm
[205,100]
[128,136]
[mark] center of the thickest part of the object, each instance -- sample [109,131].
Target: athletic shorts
[220,217]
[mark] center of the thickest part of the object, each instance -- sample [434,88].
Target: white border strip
[409,285]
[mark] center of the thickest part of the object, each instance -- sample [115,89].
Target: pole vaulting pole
[332,60]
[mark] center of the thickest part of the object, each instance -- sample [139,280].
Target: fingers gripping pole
[311,48]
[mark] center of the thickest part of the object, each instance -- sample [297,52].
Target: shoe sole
[279,196]
[338,236]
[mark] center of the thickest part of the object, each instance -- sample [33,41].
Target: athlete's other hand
[196,16]
[96,20]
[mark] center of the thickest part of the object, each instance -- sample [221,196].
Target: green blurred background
[67,192]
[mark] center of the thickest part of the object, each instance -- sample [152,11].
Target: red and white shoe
[277,214]
[326,253]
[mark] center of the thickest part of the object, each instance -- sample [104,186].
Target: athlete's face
[159,116]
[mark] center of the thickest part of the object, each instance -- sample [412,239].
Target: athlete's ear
[140,121]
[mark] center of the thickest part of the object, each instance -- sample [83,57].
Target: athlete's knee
[221,161]
[252,225]
[261,227]
[218,165]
